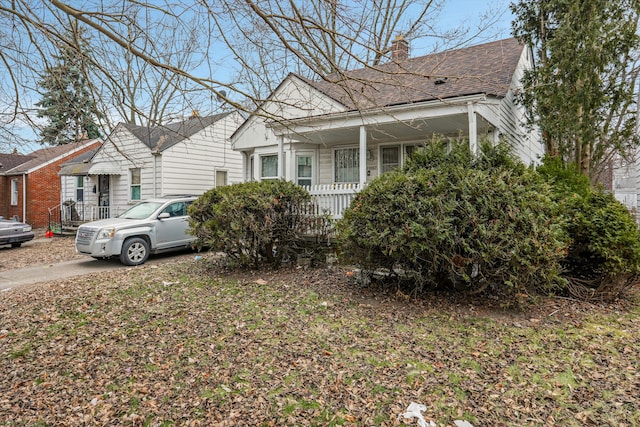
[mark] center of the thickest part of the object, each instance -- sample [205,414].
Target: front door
[103,196]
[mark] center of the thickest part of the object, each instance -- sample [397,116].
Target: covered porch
[334,156]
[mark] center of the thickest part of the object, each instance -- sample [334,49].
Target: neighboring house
[623,181]
[29,184]
[139,162]
[335,135]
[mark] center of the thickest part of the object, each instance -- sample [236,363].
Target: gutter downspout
[24,197]
[155,181]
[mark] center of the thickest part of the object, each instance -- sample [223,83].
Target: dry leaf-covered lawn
[186,344]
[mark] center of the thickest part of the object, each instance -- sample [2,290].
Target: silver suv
[149,227]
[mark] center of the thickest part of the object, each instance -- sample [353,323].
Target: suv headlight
[107,233]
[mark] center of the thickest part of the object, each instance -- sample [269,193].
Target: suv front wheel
[135,251]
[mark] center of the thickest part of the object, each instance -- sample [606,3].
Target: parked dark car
[14,233]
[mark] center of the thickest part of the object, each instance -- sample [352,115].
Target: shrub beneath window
[450,219]
[257,222]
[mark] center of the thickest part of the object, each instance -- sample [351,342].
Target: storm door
[103,196]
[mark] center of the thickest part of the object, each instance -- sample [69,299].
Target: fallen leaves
[182,345]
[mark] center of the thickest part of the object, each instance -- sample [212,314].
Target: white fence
[328,198]
[78,212]
[333,198]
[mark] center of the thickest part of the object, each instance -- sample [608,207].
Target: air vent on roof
[440,81]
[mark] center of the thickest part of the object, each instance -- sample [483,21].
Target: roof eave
[389,110]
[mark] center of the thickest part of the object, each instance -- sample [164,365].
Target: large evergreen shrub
[452,219]
[255,222]
[603,256]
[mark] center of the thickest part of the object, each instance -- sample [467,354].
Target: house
[622,179]
[336,134]
[140,162]
[29,184]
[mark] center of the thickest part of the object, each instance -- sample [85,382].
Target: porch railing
[71,214]
[333,198]
[328,198]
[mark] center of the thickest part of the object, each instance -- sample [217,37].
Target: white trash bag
[414,410]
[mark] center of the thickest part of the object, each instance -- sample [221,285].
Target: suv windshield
[140,211]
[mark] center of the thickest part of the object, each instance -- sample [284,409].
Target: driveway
[44,260]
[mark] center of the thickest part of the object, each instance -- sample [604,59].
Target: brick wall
[4,200]
[9,211]
[43,190]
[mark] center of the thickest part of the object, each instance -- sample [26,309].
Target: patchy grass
[184,345]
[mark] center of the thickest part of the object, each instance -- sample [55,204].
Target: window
[390,158]
[14,192]
[176,209]
[80,189]
[221,178]
[409,150]
[347,164]
[135,184]
[305,170]
[269,167]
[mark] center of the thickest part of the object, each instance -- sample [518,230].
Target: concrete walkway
[12,279]
[41,273]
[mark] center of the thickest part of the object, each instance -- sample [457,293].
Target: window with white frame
[14,192]
[389,158]
[269,166]
[304,170]
[221,178]
[79,188]
[346,164]
[135,184]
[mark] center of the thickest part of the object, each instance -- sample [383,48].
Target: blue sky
[470,13]
[459,11]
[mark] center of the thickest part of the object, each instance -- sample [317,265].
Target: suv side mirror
[164,215]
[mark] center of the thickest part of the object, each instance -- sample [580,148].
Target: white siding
[527,143]
[325,175]
[190,166]
[292,99]
[68,188]
[127,151]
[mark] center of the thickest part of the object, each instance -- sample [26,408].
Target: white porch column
[280,156]
[473,128]
[290,173]
[245,167]
[363,156]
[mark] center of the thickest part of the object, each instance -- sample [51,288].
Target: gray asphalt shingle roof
[162,137]
[483,69]
[39,157]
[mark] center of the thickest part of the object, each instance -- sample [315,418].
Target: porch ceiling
[417,129]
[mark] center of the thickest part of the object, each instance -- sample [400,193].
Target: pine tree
[581,91]
[66,101]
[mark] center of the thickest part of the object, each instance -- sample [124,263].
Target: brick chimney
[399,49]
